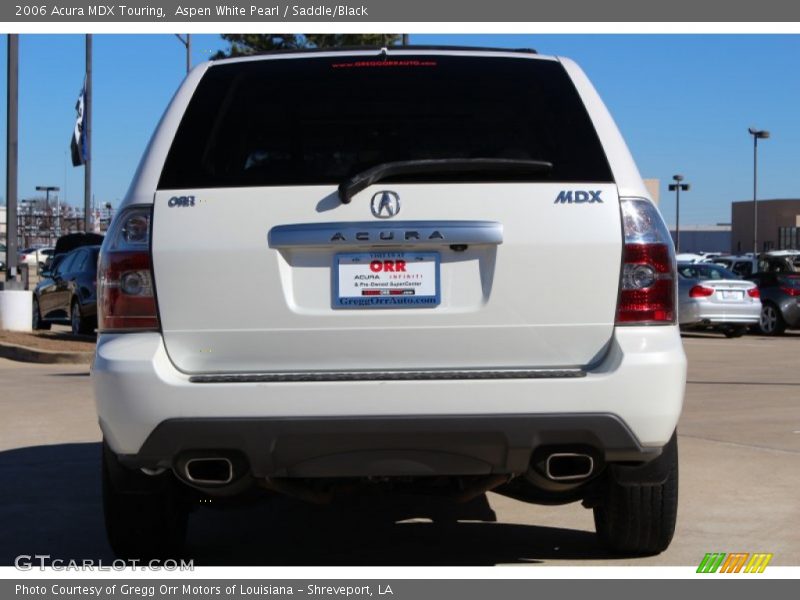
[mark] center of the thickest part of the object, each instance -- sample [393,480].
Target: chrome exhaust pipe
[215,470]
[568,466]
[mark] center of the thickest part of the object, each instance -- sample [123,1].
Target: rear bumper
[695,312]
[388,446]
[626,408]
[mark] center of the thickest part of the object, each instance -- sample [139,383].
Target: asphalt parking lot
[739,441]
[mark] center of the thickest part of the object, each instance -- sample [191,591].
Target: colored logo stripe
[758,563]
[711,562]
[733,563]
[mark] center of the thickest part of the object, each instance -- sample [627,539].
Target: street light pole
[187,42]
[47,189]
[677,187]
[87,132]
[758,134]
[12,151]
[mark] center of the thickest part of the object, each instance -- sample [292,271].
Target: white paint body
[543,298]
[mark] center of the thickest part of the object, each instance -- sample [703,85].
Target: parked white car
[401,312]
[711,297]
[34,257]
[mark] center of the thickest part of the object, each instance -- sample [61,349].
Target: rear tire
[771,322]
[145,516]
[38,324]
[638,517]
[734,332]
[78,323]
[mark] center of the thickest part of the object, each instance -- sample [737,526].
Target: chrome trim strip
[410,375]
[384,233]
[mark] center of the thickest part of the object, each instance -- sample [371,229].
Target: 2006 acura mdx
[347,266]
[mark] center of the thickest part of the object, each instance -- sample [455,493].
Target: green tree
[339,40]
[242,44]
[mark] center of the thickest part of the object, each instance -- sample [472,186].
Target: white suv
[364,265]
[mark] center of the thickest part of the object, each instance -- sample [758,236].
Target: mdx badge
[578,197]
[385,204]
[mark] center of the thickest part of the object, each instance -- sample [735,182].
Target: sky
[683,103]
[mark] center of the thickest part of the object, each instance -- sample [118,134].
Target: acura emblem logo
[385,204]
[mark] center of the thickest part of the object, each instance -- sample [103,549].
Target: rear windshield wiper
[360,181]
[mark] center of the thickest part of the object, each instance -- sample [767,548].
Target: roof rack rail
[411,47]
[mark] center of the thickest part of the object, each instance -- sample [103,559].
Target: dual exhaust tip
[208,470]
[568,466]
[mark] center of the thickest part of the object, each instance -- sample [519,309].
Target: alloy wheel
[769,319]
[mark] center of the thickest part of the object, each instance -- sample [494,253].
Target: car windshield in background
[315,121]
[700,271]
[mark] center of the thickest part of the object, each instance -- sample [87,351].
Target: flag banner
[78,144]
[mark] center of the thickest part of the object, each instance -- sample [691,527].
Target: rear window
[704,272]
[314,121]
[792,281]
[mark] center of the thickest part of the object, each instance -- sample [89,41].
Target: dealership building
[778,224]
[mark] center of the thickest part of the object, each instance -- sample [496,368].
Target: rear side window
[706,272]
[65,266]
[743,268]
[313,121]
[80,262]
[91,264]
[790,281]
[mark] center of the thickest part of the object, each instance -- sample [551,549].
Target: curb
[32,355]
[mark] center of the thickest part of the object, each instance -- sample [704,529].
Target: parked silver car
[710,296]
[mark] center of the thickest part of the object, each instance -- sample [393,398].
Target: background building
[778,223]
[652,186]
[704,238]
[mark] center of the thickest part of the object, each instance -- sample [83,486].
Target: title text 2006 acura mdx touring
[434,266]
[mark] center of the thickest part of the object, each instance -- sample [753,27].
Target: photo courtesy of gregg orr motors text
[193,590]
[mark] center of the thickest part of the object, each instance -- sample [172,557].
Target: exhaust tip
[568,466]
[209,470]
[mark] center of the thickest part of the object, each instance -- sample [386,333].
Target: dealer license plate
[732,295]
[386,279]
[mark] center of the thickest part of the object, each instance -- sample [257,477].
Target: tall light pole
[677,187]
[47,189]
[187,42]
[87,132]
[758,134]
[12,151]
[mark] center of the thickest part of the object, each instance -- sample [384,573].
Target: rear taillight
[647,285]
[700,291]
[790,291]
[754,293]
[125,296]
